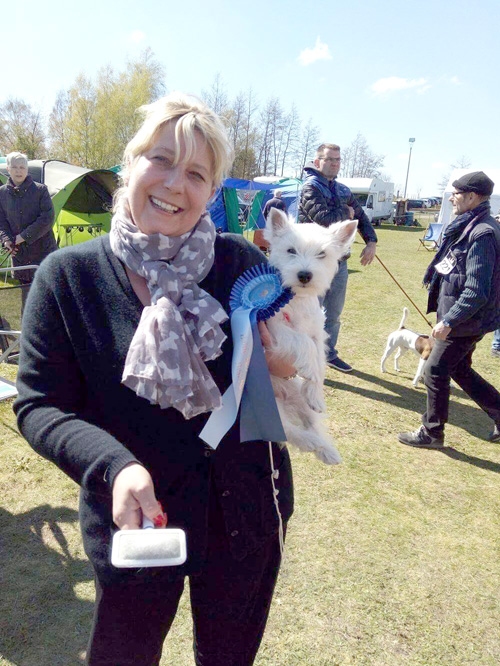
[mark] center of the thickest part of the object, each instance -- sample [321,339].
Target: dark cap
[477,181]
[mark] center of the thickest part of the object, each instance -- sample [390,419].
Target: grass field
[391,558]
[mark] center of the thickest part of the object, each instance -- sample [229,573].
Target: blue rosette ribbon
[255,296]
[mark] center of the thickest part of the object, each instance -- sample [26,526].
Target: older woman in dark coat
[26,216]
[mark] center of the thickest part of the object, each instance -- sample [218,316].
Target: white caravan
[374,194]
[446,212]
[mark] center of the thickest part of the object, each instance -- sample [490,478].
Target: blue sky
[390,70]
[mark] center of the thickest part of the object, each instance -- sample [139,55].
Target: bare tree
[291,137]
[462,162]
[307,147]
[236,119]
[267,121]
[21,128]
[277,133]
[216,97]
[58,130]
[245,163]
[359,161]
[386,177]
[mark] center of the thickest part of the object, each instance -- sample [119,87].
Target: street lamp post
[412,141]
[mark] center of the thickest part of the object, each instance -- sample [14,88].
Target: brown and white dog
[402,340]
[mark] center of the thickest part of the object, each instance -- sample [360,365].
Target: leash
[404,292]
[7,256]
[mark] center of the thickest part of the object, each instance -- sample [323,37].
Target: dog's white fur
[402,340]
[307,256]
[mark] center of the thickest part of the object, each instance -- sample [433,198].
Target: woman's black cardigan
[73,409]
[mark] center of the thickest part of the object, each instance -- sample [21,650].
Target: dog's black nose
[304,276]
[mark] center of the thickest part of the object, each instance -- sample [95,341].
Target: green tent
[82,198]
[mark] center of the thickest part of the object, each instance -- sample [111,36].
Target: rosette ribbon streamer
[256,295]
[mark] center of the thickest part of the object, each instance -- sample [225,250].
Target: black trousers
[230,603]
[453,359]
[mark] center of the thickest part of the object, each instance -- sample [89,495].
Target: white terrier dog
[402,340]
[307,256]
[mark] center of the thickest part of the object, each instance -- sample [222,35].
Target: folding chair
[432,235]
[12,297]
[7,389]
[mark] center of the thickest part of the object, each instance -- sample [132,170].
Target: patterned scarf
[181,328]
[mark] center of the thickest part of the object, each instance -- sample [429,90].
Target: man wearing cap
[464,288]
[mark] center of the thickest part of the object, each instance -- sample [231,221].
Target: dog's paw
[329,456]
[317,406]
[314,397]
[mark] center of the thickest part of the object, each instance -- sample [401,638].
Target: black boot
[495,435]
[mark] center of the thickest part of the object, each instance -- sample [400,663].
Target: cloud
[456,81]
[137,36]
[423,89]
[395,83]
[319,52]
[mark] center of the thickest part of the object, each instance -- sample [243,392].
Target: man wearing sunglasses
[325,201]
[464,289]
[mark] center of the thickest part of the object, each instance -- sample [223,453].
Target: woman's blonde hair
[190,116]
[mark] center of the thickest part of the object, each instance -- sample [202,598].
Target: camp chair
[432,236]
[7,389]
[12,297]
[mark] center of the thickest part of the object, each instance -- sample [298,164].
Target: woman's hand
[133,496]
[279,367]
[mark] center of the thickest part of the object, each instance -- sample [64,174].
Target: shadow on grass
[405,397]
[42,621]
[471,460]
[413,400]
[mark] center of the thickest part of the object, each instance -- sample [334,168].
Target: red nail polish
[159,520]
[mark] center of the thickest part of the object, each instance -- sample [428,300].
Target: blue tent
[238,204]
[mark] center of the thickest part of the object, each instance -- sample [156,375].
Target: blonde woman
[128,350]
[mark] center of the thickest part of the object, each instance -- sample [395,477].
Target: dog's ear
[344,232]
[277,222]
